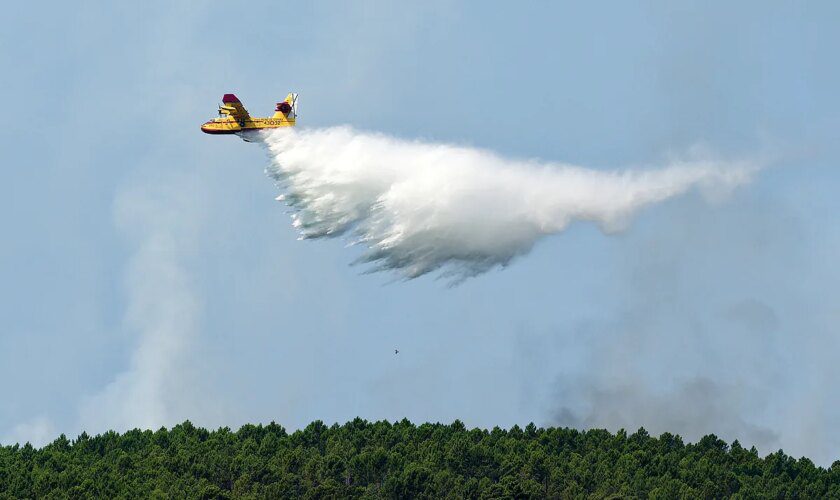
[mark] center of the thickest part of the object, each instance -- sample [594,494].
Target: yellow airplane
[234,118]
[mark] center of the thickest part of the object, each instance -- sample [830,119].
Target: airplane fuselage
[228,125]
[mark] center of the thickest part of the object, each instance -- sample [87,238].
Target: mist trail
[420,207]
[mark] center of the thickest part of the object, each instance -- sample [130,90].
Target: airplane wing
[232,106]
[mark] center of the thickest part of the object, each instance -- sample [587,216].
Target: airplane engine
[284,107]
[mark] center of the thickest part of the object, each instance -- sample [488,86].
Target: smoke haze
[711,334]
[421,207]
[161,220]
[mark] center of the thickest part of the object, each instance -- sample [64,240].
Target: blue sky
[149,276]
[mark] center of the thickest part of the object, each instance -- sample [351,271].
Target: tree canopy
[364,459]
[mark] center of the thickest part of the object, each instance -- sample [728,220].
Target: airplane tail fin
[287,110]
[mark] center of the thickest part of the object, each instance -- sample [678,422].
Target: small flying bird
[396,351]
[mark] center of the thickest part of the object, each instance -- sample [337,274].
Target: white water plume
[420,207]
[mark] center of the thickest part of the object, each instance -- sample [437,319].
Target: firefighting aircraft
[234,118]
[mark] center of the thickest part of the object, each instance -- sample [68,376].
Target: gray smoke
[714,335]
[162,221]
